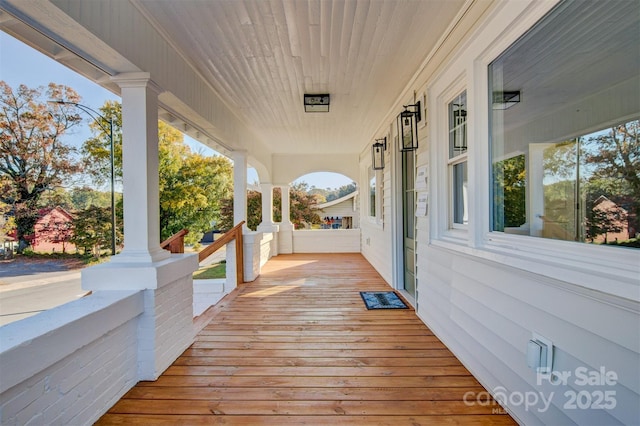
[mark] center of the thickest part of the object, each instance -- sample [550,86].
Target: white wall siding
[477,297]
[327,241]
[166,328]
[486,313]
[376,235]
[57,378]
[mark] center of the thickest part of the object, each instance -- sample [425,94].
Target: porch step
[207,293]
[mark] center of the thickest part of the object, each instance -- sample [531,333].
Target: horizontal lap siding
[376,237]
[327,241]
[486,313]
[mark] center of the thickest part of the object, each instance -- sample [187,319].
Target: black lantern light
[505,100]
[408,127]
[316,103]
[377,152]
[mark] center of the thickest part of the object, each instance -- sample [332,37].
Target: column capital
[136,79]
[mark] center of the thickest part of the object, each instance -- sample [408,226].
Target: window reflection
[566,156]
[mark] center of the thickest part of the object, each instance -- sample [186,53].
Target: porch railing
[175,244]
[234,233]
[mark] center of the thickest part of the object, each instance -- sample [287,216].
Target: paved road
[24,296]
[27,288]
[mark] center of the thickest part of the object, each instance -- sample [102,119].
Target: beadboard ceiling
[263,56]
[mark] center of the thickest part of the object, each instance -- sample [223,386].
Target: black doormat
[382,300]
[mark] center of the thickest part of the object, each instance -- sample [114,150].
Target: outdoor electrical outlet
[540,354]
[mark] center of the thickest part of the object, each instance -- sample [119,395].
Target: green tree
[254,211]
[602,221]
[56,197]
[7,222]
[92,230]
[191,187]
[191,184]
[96,151]
[301,205]
[300,208]
[509,192]
[614,157]
[83,197]
[33,158]
[328,194]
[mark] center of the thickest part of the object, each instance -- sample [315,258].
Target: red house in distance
[53,230]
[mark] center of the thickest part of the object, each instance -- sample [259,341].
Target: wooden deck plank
[300,408]
[298,394]
[276,420]
[297,347]
[318,362]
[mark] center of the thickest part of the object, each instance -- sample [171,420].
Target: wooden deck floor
[298,347]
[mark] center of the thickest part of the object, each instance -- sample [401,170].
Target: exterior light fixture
[505,100]
[459,131]
[316,103]
[377,153]
[408,127]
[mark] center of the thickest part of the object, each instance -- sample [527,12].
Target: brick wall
[85,380]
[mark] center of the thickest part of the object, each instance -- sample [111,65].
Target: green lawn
[216,270]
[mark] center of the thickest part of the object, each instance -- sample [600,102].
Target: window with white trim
[565,127]
[459,211]
[372,193]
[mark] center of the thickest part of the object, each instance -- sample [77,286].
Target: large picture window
[565,153]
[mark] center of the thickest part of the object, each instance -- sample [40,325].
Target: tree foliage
[604,163]
[83,197]
[301,205]
[509,192]
[614,158]
[92,230]
[96,151]
[328,194]
[7,222]
[300,202]
[191,187]
[191,184]
[33,158]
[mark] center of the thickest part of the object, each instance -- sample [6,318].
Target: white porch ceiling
[262,56]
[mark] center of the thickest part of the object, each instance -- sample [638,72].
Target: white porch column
[240,187]
[165,328]
[286,202]
[285,236]
[267,225]
[267,205]
[140,169]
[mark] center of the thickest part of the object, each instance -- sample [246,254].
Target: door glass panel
[408,194]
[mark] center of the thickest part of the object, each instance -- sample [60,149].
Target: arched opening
[334,200]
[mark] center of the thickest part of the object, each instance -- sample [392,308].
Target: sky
[20,64]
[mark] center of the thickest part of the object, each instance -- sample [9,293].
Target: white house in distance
[341,213]
[477,209]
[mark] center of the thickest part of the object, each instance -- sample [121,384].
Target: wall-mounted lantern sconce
[504,100]
[316,103]
[377,152]
[408,127]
